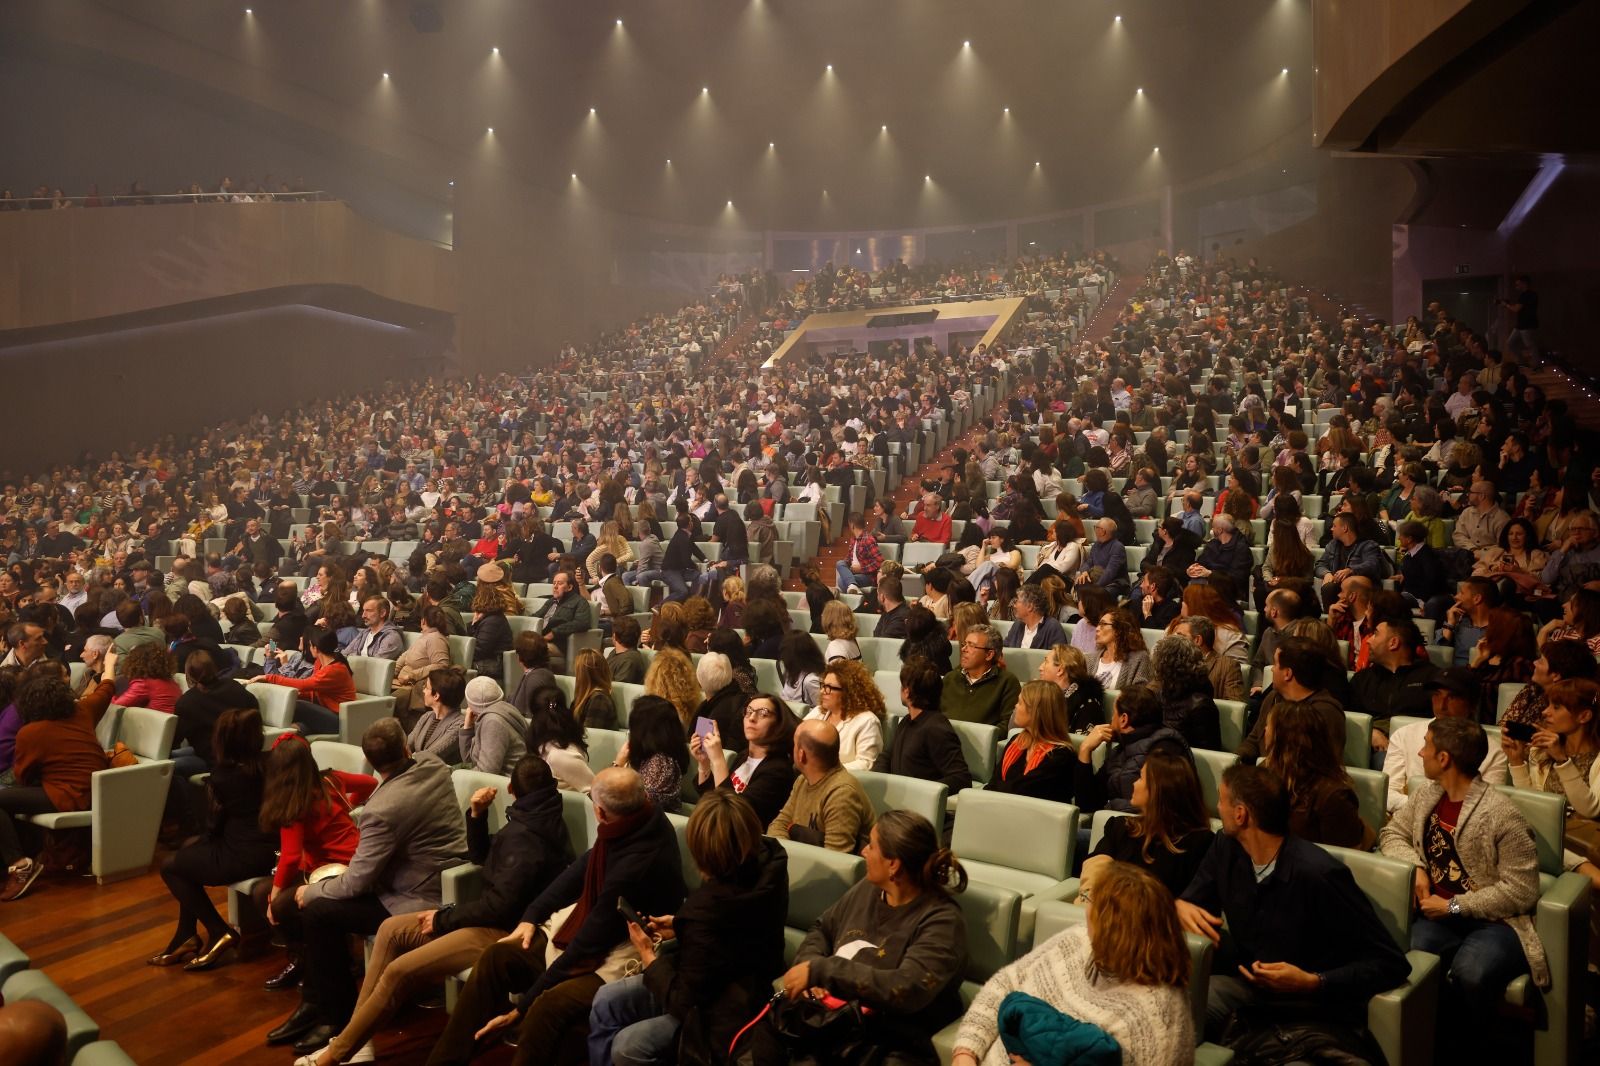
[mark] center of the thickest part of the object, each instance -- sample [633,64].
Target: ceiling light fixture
[1139,91]
[704,89]
[771,145]
[966,44]
[495,50]
[883,129]
[1285,70]
[1117,19]
[619,24]
[1005,111]
[591,111]
[491,130]
[386,75]
[830,68]
[249,11]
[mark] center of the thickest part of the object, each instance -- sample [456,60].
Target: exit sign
[1463,268]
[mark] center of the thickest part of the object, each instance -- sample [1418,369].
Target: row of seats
[19,982]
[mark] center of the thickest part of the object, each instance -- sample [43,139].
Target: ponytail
[943,872]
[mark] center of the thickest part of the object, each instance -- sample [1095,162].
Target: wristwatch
[1455,907]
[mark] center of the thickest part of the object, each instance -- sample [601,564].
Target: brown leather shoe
[180,954]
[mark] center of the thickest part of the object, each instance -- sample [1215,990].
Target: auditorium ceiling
[776,114]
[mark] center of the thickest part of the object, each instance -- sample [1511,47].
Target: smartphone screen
[703,727]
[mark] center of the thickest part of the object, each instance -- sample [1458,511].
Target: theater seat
[1232,715]
[991,915]
[1020,843]
[12,958]
[890,792]
[82,1030]
[817,878]
[124,817]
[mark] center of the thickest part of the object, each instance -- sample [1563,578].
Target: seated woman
[725,698]
[763,772]
[1038,761]
[998,550]
[909,974]
[1063,555]
[700,987]
[330,683]
[1178,674]
[233,848]
[429,652]
[557,738]
[492,601]
[1323,807]
[1067,669]
[1168,836]
[657,751]
[800,667]
[592,702]
[309,809]
[1580,620]
[1516,563]
[852,704]
[1564,757]
[1122,660]
[925,637]
[1125,971]
[57,754]
[414,952]
[839,626]
[150,684]
[1206,601]
[671,676]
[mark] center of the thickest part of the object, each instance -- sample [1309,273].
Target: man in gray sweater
[1477,883]
[411,830]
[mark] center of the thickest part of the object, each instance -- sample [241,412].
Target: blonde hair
[1134,934]
[733,589]
[964,617]
[1049,708]
[671,676]
[591,674]
[1069,661]
[838,621]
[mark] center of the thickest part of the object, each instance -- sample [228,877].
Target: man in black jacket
[891,601]
[1303,949]
[677,563]
[572,938]
[415,951]
[925,744]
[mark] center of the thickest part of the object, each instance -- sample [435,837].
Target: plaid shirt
[865,555]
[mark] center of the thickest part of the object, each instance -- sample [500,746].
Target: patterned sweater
[1152,1023]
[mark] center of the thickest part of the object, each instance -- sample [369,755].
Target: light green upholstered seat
[817,878]
[1020,843]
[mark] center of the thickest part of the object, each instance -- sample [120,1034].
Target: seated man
[1302,942]
[1477,883]
[1396,681]
[566,613]
[1455,695]
[933,523]
[980,689]
[626,660]
[411,830]
[379,638]
[1299,673]
[1138,728]
[1033,626]
[925,744]
[1156,600]
[827,806]
[1227,682]
[572,940]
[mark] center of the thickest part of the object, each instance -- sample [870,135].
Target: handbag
[806,1031]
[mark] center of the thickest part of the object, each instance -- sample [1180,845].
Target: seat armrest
[461,884]
[1562,921]
[1402,1019]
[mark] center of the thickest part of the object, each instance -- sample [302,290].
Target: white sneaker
[364,1053]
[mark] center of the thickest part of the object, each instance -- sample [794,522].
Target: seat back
[691,871]
[466,782]
[1546,813]
[332,755]
[1211,765]
[373,676]
[1358,739]
[1025,662]
[891,792]
[991,914]
[880,653]
[105,730]
[1387,883]
[1232,715]
[1372,787]
[148,734]
[604,744]
[979,745]
[276,703]
[1017,832]
[1097,828]
[462,650]
[577,810]
[623,693]
[817,878]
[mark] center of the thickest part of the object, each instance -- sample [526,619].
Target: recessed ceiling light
[491,129]
[574,175]
[883,129]
[495,50]
[966,44]
[1036,162]
[830,68]
[249,11]
[1140,90]
[386,74]
[771,144]
[1285,70]
[704,89]
[619,22]
[1117,19]
[452,184]
[1005,111]
[730,203]
[669,162]
[1157,148]
[591,111]
[927,177]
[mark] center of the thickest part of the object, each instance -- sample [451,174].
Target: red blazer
[327,833]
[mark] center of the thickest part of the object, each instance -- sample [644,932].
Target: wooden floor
[93,941]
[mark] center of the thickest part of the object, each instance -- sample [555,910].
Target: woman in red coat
[310,811]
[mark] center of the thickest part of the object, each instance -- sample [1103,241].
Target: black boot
[288,977]
[302,1021]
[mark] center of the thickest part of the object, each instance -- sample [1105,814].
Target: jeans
[678,582]
[1479,958]
[315,718]
[847,579]
[627,1027]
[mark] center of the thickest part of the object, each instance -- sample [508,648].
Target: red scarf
[594,872]
[1014,751]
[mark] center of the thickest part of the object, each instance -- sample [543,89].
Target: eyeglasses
[760,712]
[832,688]
[1104,622]
[976,647]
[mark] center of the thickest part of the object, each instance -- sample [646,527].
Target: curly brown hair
[860,693]
[151,660]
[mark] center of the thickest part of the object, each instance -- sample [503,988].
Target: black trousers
[20,799]
[328,923]
[191,868]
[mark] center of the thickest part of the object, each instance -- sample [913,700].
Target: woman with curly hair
[701,618]
[672,677]
[839,626]
[149,670]
[492,601]
[852,704]
[1178,674]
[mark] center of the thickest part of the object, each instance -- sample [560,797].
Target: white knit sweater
[1152,1023]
